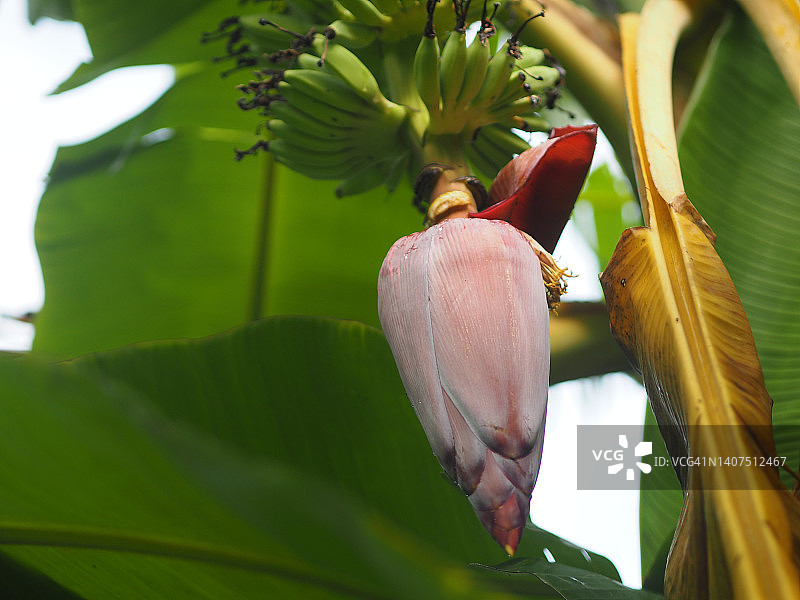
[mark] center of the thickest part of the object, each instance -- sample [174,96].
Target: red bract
[464,309]
[536,191]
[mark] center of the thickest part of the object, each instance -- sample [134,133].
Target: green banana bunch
[354,35]
[330,120]
[328,117]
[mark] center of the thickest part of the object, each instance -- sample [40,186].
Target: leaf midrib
[88,538]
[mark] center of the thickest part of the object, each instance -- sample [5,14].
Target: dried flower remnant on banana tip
[465,312]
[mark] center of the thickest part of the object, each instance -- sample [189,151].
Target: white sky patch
[36,60]
[604,521]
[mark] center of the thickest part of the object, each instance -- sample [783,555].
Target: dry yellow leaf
[676,313]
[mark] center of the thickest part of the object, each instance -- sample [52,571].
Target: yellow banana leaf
[676,314]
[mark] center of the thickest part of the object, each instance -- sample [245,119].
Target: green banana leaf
[148,32]
[570,582]
[135,239]
[60,10]
[281,456]
[741,174]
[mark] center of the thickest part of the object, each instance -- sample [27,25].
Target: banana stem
[450,196]
[446,150]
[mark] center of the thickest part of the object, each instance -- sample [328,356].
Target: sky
[34,60]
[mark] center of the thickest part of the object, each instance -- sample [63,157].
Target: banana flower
[464,306]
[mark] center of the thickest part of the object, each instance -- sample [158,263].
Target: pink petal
[470,452]
[464,310]
[405,318]
[490,330]
[536,191]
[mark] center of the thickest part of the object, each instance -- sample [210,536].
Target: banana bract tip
[506,523]
[536,191]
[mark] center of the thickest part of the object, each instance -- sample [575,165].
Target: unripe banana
[426,74]
[481,163]
[451,69]
[350,68]
[503,139]
[327,88]
[387,7]
[498,157]
[248,41]
[474,72]
[515,88]
[354,35]
[526,123]
[522,106]
[530,57]
[498,72]
[332,165]
[387,172]
[263,39]
[319,109]
[371,176]
[540,78]
[534,80]
[396,171]
[366,12]
[310,139]
[302,121]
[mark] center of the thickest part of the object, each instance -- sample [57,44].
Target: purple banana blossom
[464,308]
